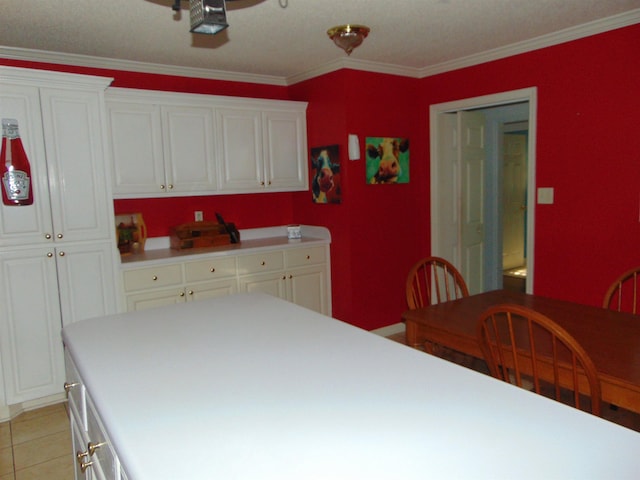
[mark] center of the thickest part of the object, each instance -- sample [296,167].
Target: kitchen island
[252,386]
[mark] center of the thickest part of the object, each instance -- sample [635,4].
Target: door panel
[514,199]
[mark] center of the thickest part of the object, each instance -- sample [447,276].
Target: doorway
[458,190]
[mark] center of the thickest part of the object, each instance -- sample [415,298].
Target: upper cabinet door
[240,150]
[27,224]
[135,141]
[189,152]
[73,133]
[286,150]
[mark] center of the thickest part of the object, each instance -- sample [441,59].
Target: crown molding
[614,22]
[625,19]
[132,66]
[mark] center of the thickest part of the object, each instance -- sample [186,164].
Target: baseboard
[389,330]
[9,412]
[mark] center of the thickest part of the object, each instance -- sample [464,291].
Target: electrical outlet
[198,215]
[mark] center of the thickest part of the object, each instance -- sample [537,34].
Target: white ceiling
[286,40]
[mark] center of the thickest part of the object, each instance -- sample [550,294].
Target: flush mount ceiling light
[347,36]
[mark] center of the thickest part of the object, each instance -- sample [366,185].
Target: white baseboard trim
[389,330]
[9,412]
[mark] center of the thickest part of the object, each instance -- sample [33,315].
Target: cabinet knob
[68,386]
[162,187]
[269,182]
[262,184]
[80,455]
[190,292]
[290,276]
[182,294]
[61,254]
[59,235]
[170,186]
[263,263]
[49,254]
[84,466]
[212,269]
[154,278]
[284,277]
[92,447]
[308,257]
[47,236]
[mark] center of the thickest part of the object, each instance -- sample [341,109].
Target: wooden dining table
[612,339]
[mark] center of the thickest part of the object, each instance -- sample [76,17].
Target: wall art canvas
[325,171]
[387,160]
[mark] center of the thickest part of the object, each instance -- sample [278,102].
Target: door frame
[498,99]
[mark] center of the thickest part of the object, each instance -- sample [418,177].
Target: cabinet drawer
[260,262]
[152,277]
[212,269]
[75,391]
[300,257]
[105,464]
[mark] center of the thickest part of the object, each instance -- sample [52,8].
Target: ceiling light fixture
[347,36]
[207,16]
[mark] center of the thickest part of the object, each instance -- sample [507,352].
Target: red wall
[587,149]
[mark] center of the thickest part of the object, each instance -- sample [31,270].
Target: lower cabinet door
[220,288]
[30,341]
[81,468]
[158,298]
[270,283]
[307,287]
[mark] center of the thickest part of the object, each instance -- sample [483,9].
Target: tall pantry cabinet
[57,256]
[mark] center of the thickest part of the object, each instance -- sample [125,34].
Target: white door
[187,134]
[514,200]
[73,133]
[472,180]
[30,324]
[285,150]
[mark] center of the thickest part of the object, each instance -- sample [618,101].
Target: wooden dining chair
[433,280]
[523,347]
[622,295]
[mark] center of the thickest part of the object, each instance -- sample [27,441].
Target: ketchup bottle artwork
[16,174]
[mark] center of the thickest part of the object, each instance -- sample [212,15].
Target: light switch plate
[545,195]
[198,216]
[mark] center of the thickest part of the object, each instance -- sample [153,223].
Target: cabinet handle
[182,294]
[49,254]
[190,292]
[290,276]
[170,186]
[284,277]
[308,257]
[61,254]
[154,278]
[84,466]
[262,184]
[59,235]
[92,447]
[80,455]
[269,182]
[263,263]
[68,386]
[212,269]
[162,187]
[47,236]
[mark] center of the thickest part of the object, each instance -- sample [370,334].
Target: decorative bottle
[16,177]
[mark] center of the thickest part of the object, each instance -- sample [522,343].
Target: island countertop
[251,386]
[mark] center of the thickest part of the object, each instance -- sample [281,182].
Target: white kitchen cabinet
[186,281]
[297,274]
[159,145]
[57,256]
[295,271]
[165,143]
[262,149]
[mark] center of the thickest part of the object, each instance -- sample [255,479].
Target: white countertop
[253,240]
[250,386]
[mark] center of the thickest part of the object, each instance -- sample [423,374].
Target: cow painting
[325,168]
[387,160]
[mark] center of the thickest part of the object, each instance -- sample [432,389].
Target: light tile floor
[36,445]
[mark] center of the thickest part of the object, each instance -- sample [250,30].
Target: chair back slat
[522,346]
[622,295]
[433,280]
